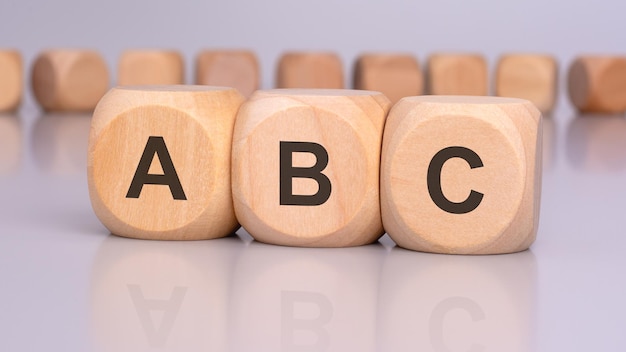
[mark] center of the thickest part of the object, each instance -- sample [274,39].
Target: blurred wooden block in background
[598,84]
[530,77]
[306,166]
[309,70]
[159,161]
[395,75]
[228,68]
[11,77]
[69,80]
[462,175]
[457,74]
[150,67]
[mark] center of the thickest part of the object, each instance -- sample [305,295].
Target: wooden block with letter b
[139,67]
[306,166]
[159,161]
[462,175]
[457,74]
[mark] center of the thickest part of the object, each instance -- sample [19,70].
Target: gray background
[68,285]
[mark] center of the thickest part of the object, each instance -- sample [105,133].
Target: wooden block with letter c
[462,175]
[159,161]
[306,166]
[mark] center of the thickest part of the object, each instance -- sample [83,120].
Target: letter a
[156,145]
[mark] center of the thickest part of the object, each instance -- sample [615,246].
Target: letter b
[288,172]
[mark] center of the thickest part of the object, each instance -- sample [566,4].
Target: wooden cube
[11,78]
[530,77]
[457,74]
[141,67]
[237,69]
[69,80]
[395,75]
[598,84]
[306,166]
[309,70]
[159,161]
[462,175]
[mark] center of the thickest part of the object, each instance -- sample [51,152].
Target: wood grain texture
[195,124]
[528,76]
[348,124]
[395,75]
[69,80]
[11,77]
[504,133]
[309,70]
[597,84]
[144,67]
[228,68]
[457,74]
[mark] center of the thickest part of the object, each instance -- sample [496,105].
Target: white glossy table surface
[66,284]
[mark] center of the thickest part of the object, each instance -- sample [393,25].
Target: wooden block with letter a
[159,161]
[11,78]
[139,67]
[306,166]
[462,175]
[69,80]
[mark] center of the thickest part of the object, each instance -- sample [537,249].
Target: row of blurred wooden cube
[68,80]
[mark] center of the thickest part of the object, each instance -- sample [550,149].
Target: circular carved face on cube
[159,164]
[184,189]
[457,174]
[305,166]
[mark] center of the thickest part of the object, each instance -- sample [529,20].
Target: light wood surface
[229,68]
[505,135]
[457,74]
[142,67]
[11,77]
[528,76]
[309,70]
[395,75]
[598,84]
[195,124]
[69,80]
[348,125]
